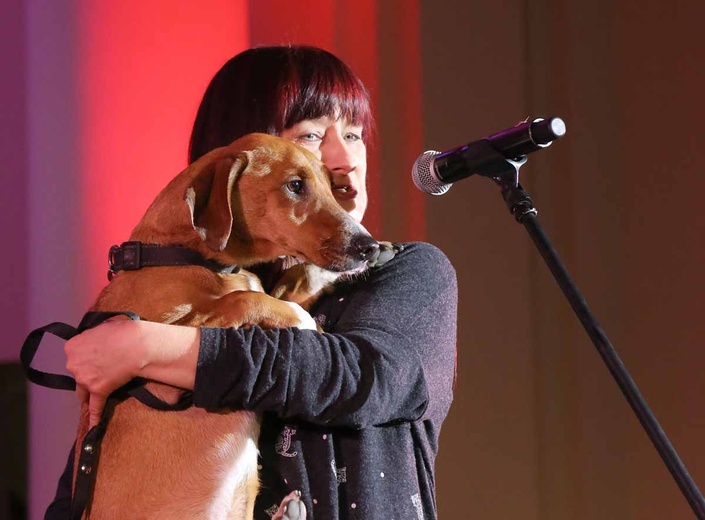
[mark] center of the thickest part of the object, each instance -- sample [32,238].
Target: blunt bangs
[318,85]
[270,89]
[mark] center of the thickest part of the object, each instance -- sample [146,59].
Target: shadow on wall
[13,442]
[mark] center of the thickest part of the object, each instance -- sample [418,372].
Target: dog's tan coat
[237,205]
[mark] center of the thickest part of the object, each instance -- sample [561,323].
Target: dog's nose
[365,246]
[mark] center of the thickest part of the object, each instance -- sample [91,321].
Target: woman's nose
[336,155]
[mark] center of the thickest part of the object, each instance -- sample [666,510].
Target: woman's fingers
[83,394]
[95,409]
[95,403]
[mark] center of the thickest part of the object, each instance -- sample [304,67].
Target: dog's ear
[209,198]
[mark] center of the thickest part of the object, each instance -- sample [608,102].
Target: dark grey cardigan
[351,417]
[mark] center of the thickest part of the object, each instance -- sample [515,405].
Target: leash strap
[87,462]
[134,388]
[133,255]
[29,350]
[63,331]
[90,447]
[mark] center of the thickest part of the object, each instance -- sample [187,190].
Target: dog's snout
[365,247]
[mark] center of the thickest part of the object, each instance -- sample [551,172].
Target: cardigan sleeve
[388,354]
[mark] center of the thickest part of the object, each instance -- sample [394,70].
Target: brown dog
[254,201]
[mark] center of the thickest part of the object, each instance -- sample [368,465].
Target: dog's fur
[239,205]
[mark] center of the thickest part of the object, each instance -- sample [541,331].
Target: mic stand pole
[506,175]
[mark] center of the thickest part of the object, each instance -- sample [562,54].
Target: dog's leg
[304,284]
[247,308]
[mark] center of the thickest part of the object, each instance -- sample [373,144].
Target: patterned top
[351,417]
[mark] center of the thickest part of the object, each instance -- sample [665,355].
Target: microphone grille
[424,177]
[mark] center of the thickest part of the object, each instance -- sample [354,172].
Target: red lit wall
[142,68]
[112,91]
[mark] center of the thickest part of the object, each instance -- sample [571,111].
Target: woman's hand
[104,358]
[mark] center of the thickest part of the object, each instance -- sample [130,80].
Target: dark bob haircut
[269,89]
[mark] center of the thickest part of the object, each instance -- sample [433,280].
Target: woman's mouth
[344,192]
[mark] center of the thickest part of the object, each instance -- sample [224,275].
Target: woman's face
[339,145]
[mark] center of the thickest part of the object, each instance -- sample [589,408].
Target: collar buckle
[125,257]
[131,256]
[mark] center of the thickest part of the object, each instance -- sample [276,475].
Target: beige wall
[539,429]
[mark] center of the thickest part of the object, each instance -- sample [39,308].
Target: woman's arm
[389,355]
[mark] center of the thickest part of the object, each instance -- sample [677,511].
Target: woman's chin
[356,211]
[353,208]
[357,215]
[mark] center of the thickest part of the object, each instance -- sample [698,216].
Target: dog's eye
[295,186]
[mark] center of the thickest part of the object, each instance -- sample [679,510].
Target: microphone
[435,172]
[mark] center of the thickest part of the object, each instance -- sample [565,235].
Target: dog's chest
[238,467]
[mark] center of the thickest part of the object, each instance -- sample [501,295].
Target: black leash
[129,256]
[63,331]
[90,446]
[87,465]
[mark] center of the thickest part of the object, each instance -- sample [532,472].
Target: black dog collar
[130,256]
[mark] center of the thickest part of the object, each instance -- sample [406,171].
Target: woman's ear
[210,199]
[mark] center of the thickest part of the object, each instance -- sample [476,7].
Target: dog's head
[263,197]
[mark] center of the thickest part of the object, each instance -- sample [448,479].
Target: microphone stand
[505,172]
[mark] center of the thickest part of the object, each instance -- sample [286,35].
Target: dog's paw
[291,508]
[305,321]
[385,252]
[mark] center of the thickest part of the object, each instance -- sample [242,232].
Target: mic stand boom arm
[506,174]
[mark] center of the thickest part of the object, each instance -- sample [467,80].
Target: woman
[351,416]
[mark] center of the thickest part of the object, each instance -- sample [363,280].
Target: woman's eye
[309,137]
[350,136]
[295,186]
